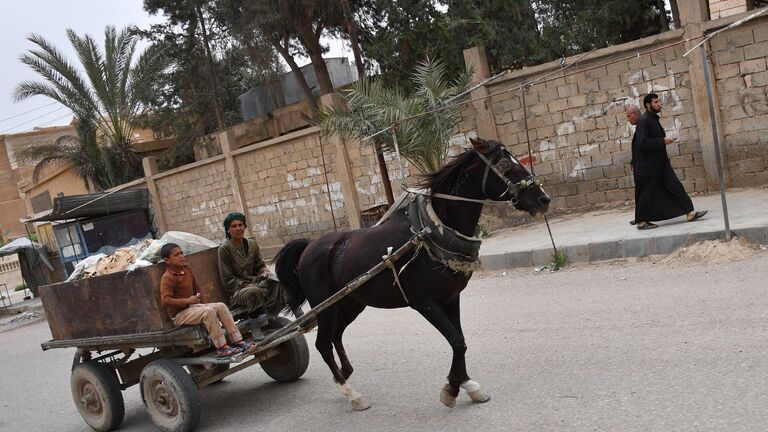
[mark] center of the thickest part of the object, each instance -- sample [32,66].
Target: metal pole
[713,122]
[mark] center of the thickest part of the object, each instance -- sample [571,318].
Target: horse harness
[444,244]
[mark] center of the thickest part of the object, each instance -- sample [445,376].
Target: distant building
[263,100]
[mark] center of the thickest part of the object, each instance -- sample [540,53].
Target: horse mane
[447,176]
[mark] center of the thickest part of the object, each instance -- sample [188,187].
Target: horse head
[506,179]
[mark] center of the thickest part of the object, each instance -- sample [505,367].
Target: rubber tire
[175,379]
[293,360]
[107,389]
[196,369]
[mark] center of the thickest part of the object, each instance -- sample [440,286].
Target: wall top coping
[716,24]
[596,55]
[188,167]
[277,140]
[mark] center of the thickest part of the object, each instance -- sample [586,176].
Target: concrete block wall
[724,8]
[285,191]
[579,136]
[741,75]
[195,198]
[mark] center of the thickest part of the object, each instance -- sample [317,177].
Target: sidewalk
[606,234]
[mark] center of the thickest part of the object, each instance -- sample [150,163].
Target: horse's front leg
[453,312]
[440,319]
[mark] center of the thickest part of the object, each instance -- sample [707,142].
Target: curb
[602,251]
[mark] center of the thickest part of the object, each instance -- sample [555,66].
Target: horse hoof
[479,396]
[360,404]
[446,398]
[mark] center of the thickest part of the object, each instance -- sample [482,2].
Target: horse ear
[478,143]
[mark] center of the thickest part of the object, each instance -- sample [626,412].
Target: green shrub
[559,260]
[20,287]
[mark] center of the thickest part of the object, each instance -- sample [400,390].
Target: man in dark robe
[658,192]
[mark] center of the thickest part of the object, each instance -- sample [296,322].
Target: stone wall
[742,87]
[579,136]
[724,8]
[195,198]
[290,187]
[574,116]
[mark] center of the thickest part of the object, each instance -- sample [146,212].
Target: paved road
[608,347]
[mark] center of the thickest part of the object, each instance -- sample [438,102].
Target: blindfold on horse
[429,279]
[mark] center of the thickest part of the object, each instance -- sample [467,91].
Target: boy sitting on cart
[180,294]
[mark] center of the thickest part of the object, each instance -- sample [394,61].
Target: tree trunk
[675,13]
[663,18]
[352,32]
[321,70]
[211,70]
[310,98]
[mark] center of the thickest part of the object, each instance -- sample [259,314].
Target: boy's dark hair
[165,251]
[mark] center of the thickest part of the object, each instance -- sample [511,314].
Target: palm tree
[105,100]
[371,107]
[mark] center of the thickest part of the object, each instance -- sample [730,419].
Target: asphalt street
[616,346]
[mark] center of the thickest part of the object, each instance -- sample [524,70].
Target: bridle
[499,168]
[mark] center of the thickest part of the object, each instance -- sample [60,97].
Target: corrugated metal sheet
[97,205]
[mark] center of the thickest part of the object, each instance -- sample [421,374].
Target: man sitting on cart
[246,277]
[180,294]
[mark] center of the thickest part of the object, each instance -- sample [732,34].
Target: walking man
[633,116]
[659,195]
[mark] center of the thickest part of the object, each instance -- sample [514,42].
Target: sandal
[227,351]
[244,346]
[646,226]
[698,215]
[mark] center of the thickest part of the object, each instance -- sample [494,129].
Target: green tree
[507,29]
[106,99]
[371,106]
[397,35]
[570,27]
[187,92]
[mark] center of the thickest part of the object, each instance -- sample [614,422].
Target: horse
[430,279]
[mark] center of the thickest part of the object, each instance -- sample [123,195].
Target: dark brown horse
[433,277]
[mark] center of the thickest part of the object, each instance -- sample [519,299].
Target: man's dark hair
[165,251]
[648,99]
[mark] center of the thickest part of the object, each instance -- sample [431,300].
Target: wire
[56,119]
[34,119]
[27,112]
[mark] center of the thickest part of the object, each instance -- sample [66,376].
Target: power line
[27,112]
[34,119]
[56,119]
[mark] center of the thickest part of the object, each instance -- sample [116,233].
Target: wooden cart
[123,337]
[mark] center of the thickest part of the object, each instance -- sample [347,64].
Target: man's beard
[656,111]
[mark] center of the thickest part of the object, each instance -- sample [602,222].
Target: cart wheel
[197,370]
[170,395]
[97,396]
[293,360]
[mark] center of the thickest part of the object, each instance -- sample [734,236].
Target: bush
[20,287]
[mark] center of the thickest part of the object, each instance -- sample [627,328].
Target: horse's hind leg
[326,328]
[452,311]
[347,313]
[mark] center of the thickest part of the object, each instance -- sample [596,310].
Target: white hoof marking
[475,393]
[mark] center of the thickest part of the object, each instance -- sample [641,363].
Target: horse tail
[287,269]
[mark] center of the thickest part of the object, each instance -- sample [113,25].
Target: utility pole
[352,33]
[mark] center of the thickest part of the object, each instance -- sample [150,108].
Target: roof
[96,205]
